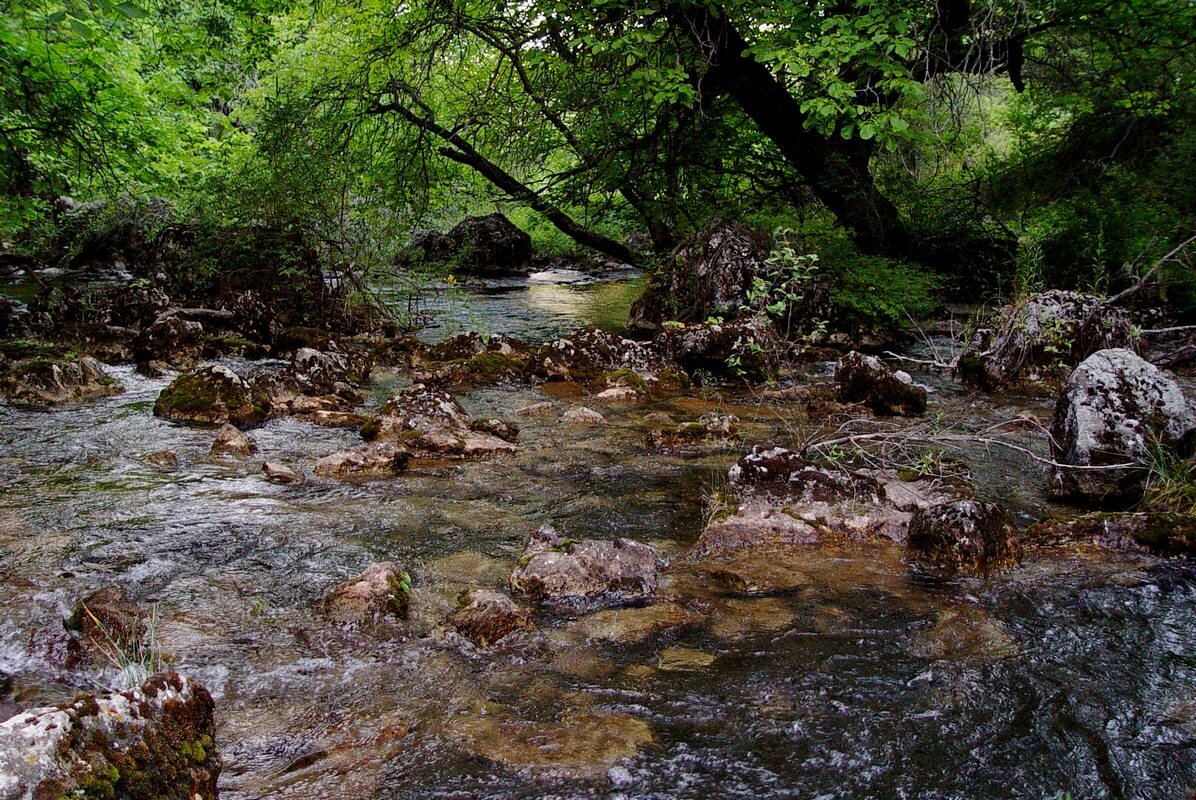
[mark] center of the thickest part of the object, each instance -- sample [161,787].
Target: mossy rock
[491,367]
[213,395]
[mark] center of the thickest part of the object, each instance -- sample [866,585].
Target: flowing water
[1074,673]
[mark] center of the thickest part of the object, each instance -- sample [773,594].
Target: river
[1074,674]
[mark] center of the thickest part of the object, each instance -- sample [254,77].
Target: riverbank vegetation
[973,147]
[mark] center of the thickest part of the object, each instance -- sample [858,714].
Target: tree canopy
[958,134]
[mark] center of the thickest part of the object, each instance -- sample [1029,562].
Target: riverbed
[1070,675]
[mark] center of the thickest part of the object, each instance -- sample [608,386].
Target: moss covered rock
[213,395]
[381,590]
[156,742]
[1039,339]
[46,382]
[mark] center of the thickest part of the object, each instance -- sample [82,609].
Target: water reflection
[537,308]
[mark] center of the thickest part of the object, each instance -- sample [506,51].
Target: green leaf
[131,10]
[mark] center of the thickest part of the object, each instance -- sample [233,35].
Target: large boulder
[470,358]
[172,339]
[709,274]
[965,537]
[155,742]
[868,380]
[589,355]
[486,246]
[747,348]
[1042,337]
[45,382]
[213,395]
[559,569]
[1113,410]
[430,422]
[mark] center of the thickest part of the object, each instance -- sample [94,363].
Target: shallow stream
[1071,674]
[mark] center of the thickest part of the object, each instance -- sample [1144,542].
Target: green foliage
[1170,480]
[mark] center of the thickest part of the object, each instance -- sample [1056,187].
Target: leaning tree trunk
[836,170]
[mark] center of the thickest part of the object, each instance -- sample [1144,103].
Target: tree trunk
[836,170]
[458,149]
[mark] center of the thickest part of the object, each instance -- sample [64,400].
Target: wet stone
[231,441]
[281,473]
[965,537]
[485,616]
[374,460]
[555,568]
[380,591]
[582,417]
[633,625]
[683,659]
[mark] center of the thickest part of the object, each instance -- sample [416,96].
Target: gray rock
[555,568]
[1034,339]
[1114,408]
[329,372]
[379,458]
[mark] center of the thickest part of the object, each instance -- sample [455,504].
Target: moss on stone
[493,366]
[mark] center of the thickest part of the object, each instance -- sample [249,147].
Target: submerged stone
[581,742]
[683,659]
[633,625]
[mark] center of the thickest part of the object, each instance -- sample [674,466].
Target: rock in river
[555,568]
[430,422]
[868,380]
[38,383]
[231,441]
[213,394]
[485,616]
[965,537]
[381,590]
[155,742]
[1114,408]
